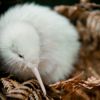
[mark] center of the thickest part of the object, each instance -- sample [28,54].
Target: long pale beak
[37,75]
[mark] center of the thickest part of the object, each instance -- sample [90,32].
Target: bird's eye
[21,56]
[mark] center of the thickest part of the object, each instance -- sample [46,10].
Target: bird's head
[20,46]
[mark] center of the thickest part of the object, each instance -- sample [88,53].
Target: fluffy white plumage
[33,36]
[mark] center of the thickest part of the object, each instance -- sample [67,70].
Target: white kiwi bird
[37,41]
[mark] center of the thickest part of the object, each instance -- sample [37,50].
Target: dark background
[5,4]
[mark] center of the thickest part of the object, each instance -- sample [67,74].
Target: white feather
[43,37]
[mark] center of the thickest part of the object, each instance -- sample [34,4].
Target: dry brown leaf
[26,91]
[9,84]
[91,83]
[2,97]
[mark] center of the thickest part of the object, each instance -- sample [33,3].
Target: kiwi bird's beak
[37,75]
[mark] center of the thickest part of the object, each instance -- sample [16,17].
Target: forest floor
[84,83]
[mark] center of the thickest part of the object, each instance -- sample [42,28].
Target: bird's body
[36,35]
